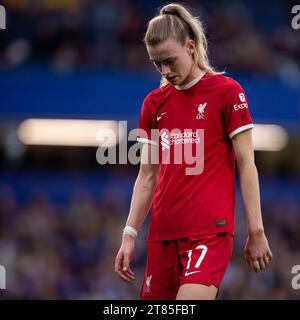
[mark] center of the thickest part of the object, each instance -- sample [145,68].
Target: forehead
[165,49]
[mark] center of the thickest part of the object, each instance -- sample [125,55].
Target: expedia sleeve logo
[243,103]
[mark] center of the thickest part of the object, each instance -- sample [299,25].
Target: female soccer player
[192,217]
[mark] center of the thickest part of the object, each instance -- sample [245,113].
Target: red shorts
[197,259]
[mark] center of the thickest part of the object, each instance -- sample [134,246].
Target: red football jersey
[199,118]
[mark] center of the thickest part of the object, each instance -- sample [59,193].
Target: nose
[165,70]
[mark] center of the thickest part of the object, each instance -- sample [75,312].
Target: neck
[192,79]
[195,72]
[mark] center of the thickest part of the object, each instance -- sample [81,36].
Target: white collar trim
[190,84]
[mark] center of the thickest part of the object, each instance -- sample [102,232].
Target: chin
[182,82]
[175,82]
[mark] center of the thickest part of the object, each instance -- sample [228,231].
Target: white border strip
[240,129]
[143,140]
[190,84]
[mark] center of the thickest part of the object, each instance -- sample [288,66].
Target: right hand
[123,258]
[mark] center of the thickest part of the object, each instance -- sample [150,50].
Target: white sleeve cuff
[240,129]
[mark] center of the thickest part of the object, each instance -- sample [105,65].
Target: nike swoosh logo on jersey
[188,273]
[159,117]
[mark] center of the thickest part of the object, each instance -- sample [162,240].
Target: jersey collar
[193,82]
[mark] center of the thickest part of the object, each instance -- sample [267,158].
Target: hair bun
[169,9]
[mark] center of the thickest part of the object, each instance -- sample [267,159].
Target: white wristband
[130,230]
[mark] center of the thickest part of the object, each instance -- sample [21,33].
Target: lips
[171,79]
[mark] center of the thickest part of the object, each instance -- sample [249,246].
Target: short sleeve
[237,116]
[146,123]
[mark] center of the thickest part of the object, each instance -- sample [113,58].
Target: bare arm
[257,252]
[141,200]
[143,190]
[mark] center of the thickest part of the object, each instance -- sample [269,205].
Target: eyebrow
[165,60]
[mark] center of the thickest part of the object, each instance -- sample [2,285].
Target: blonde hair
[175,21]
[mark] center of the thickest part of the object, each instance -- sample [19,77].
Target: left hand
[257,252]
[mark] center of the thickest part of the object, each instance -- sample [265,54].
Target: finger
[124,277]
[129,275]
[126,262]
[118,263]
[270,255]
[255,266]
[266,258]
[126,270]
[248,261]
[261,264]
[130,272]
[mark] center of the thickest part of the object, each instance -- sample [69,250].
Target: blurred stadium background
[61,213]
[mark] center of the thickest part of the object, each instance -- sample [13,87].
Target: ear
[190,44]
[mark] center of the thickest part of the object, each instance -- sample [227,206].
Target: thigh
[162,276]
[204,259]
[195,291]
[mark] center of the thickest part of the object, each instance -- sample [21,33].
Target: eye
[171,61]
[157,64]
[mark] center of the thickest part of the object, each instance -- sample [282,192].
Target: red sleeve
[147,122]
[236,112]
